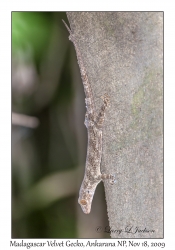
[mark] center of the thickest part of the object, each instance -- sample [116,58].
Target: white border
[5,98]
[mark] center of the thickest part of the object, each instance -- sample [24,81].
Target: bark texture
[123,55]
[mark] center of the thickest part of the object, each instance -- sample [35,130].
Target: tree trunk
[123,56]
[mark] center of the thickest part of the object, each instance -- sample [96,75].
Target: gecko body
[94,124]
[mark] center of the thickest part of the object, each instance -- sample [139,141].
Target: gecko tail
[67,27]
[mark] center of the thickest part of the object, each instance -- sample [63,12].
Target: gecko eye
[83,202]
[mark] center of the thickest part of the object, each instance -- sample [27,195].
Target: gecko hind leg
[101,115]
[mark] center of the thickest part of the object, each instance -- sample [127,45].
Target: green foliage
[31,31]
[41,87]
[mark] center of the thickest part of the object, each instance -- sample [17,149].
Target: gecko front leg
[88,188]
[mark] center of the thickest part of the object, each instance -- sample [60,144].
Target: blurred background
[49,138]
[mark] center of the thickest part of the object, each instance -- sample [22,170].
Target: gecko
[94,124]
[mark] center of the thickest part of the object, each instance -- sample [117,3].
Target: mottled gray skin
[93,174]
[94,124]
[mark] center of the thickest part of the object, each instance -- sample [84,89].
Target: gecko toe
[113,180]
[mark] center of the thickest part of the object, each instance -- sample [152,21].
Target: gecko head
[85,200]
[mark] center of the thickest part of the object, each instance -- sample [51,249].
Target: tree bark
[123,56]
